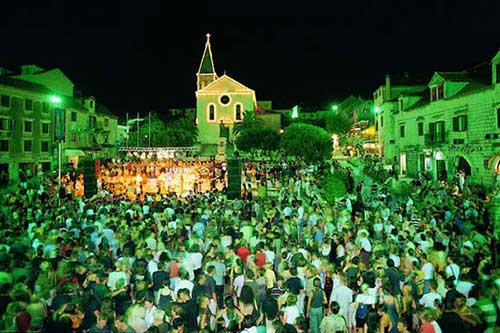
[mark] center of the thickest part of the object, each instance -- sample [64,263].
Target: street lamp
[335,107]
[59,123]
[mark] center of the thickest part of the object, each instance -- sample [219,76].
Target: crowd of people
[376,260]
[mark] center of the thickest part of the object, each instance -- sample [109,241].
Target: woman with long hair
[246,302]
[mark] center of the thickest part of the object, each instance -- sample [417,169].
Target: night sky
[137,58]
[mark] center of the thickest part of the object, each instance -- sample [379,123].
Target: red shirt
[243,252]
[426,328]
[260,259]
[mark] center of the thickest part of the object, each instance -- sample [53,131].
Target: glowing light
[295,112]
[335,107]
[55,99]
[282,131]
[377,109]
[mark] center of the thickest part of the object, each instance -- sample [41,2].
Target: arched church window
[238,112]
[211,112]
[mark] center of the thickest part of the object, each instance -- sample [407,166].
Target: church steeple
[206,72]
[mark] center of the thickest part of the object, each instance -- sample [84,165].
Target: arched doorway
[441,172]
[464,166]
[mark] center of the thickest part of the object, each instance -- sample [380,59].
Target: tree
[180,132]
[334,187]
[338,123]
[249,121]
[310,142]
[263,138]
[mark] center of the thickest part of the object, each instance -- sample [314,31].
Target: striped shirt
[488,312]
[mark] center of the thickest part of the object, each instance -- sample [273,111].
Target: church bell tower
[206,72]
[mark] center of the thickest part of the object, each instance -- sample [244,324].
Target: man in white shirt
[343,296]
[452,270]
[183,283]
[428,270]
[428,299]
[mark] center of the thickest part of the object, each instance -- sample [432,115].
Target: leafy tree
[333,187]
[180,132]
[338,123]
[263,138]
[249,121]
[310,142]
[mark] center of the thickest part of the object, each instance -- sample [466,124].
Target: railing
[436,138]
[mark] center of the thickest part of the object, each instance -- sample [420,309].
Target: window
[440,91]
[4,145]
[5,101]
[28,126]
[45,107]
[106,122]
[437,92]
[401,104]
[381,121]
[420,127]
[28,146]
[497,67]
[92,121]
[402,131]
[91,103]
[44,146]
[211,112]
[45,128]
[436,132]
[4,124]
[224,99]
[498,118]
[28,104]
[73,137]
[460,124]
[74,116]
[238,112]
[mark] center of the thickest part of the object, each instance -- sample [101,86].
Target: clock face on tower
[224,99]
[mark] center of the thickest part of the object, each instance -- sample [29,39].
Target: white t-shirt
[464,287]
[453,270]
[365,299]
[365,244]
[428,299]
[343,296]
[292,312]
[428,270]
[238,284]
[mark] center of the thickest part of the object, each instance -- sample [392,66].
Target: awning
[74,152]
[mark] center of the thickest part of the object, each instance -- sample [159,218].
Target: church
[220,101]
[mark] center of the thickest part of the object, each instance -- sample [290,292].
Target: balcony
[436,138]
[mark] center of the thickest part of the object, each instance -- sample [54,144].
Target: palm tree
[249,121]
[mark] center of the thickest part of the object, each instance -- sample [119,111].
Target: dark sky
[143,55]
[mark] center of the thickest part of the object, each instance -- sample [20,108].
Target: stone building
[452,123]
[27,122]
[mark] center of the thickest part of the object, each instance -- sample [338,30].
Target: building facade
[27,123]
[220,101]
[452,124]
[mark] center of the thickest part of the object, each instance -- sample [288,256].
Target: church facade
[221,101]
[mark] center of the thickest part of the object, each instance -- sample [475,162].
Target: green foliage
[249,121]
[180,132]
[263,138]
[333,187]
[338,123]
[310,142]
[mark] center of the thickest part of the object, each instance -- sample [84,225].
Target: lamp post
[59,129]
[376,110]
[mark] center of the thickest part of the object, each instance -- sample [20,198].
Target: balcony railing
[436,138]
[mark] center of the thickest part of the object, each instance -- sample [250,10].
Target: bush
[334,187]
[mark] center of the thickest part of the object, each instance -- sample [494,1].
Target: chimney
[387,87]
